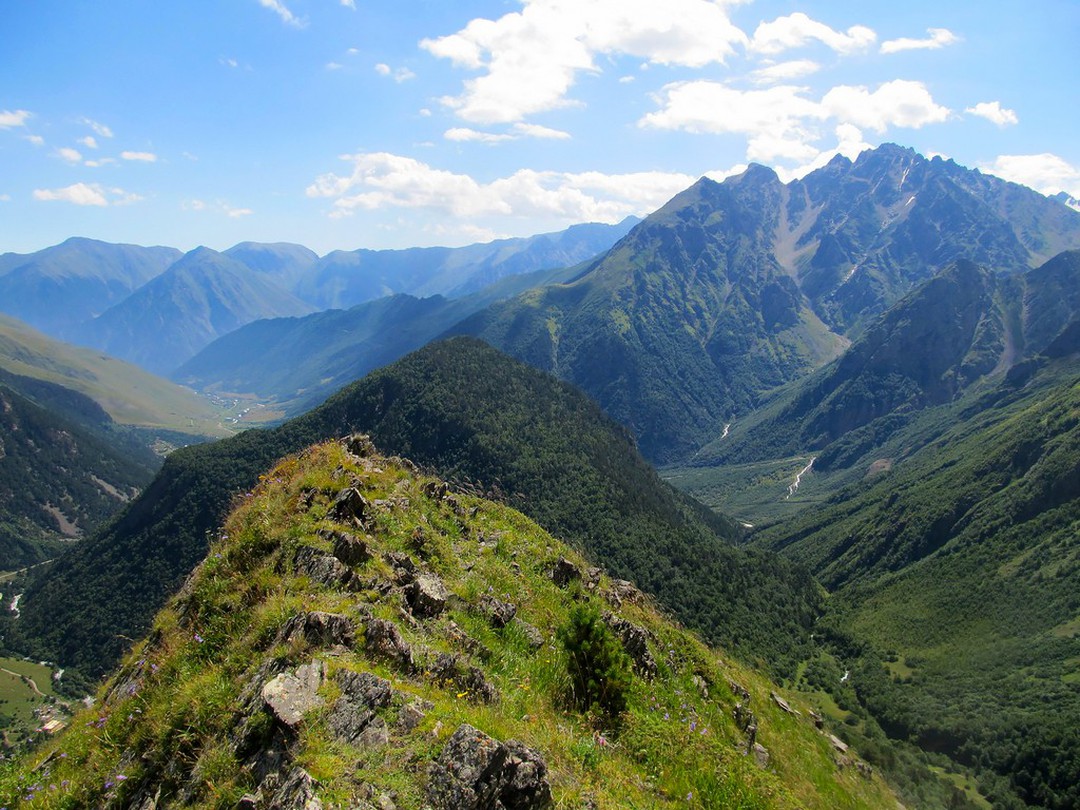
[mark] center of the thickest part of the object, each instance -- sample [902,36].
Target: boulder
[289,696]
[564,572]
[426,596]
[359,444]
[499,613]
[350,507]
[761,755]
[348,548]
[297,792]
[452,670]
[323,568]
[405,569]
[477,772]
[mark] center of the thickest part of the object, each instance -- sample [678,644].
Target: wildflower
[198,638]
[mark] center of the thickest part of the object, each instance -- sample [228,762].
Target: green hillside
[363,636]
[481,419]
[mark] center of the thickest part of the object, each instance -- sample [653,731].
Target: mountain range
[872,368]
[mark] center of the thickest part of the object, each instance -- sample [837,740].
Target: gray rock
[323,568]
[626,592]
[319,629]
[359,444]
[289,696]
[761,755]
[405,569]
[635,641]
[412,714]
[450,669]
[477,772]
[592,577]
[426,596]
[348,548]
[499,613]
[362,693]
[739,690]
[350,507]
[382,638]
[533,637]
[297,792]
[564,572]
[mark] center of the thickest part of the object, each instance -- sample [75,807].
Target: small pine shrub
[599,668]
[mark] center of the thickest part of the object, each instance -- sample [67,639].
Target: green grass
[18,699]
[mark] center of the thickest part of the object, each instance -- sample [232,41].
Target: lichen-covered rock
[564,572]
[404,567]
[452,671]
[348,548]
[499,613]
[635,641]
[362,693]
[533,637]
[592,577]
[297,792]
[289,696]
[382,638]
[359,444]
[761,755]
[477,772]
[426,596]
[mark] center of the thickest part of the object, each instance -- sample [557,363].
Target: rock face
[477,772]
[564,572]
[319,629]
[635,641]
[353,719]
[350,507]
[323,568]
[384,639]
[499,613]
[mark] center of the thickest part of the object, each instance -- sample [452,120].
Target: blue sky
[342,124]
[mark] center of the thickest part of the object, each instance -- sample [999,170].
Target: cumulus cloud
[284,13]
[100,129]
[939,38]
[796,30]
[36,140]
[380,181]
[537,131]
[69,154]
[399,75]
[784,71]
[1046,172]
[89,142]
[349,4]
[9,119]
[99,162]
[900,103]
[993,111]
[218,206]
[463,134]
[91,194]
[236,213]
[141,157]
[530,59]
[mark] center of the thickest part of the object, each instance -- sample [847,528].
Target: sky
[345,124]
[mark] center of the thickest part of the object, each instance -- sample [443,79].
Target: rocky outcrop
[426,596]
[352,718]
[451,669]
[350,507]
[383,639]
[499,613]
[319,629]
[477,772]
[289,696]
[635,641]
[564,572]
[325,569]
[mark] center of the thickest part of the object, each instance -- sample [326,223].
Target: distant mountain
[1067,199]
[296,363]
[343,279]
[59,479]
[57,288]
[281,262]
[735,288]
[482,420]
[199,298]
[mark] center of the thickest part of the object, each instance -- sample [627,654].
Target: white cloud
[218,206]
[400,75]
[939,38]
[229,62]
[537,131]
[89,142]
[531,58]
[1046,172]
[849,143]
[380,181]
[993,111]
[99,128]
[99,162]
[353,52]
[36,140]
[334,66]
[283,12]
[784,71]
[900,103]
[349,4]
[14,118]
[382,69]
[142,157]
[796,30]
[78,194]
[626,79]
[69,154]
[5,198]
[236,213]
[464,134]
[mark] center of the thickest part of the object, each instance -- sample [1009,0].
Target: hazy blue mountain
[199,298]
[59,287]
[282,262]
[294,364]
[342,279]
